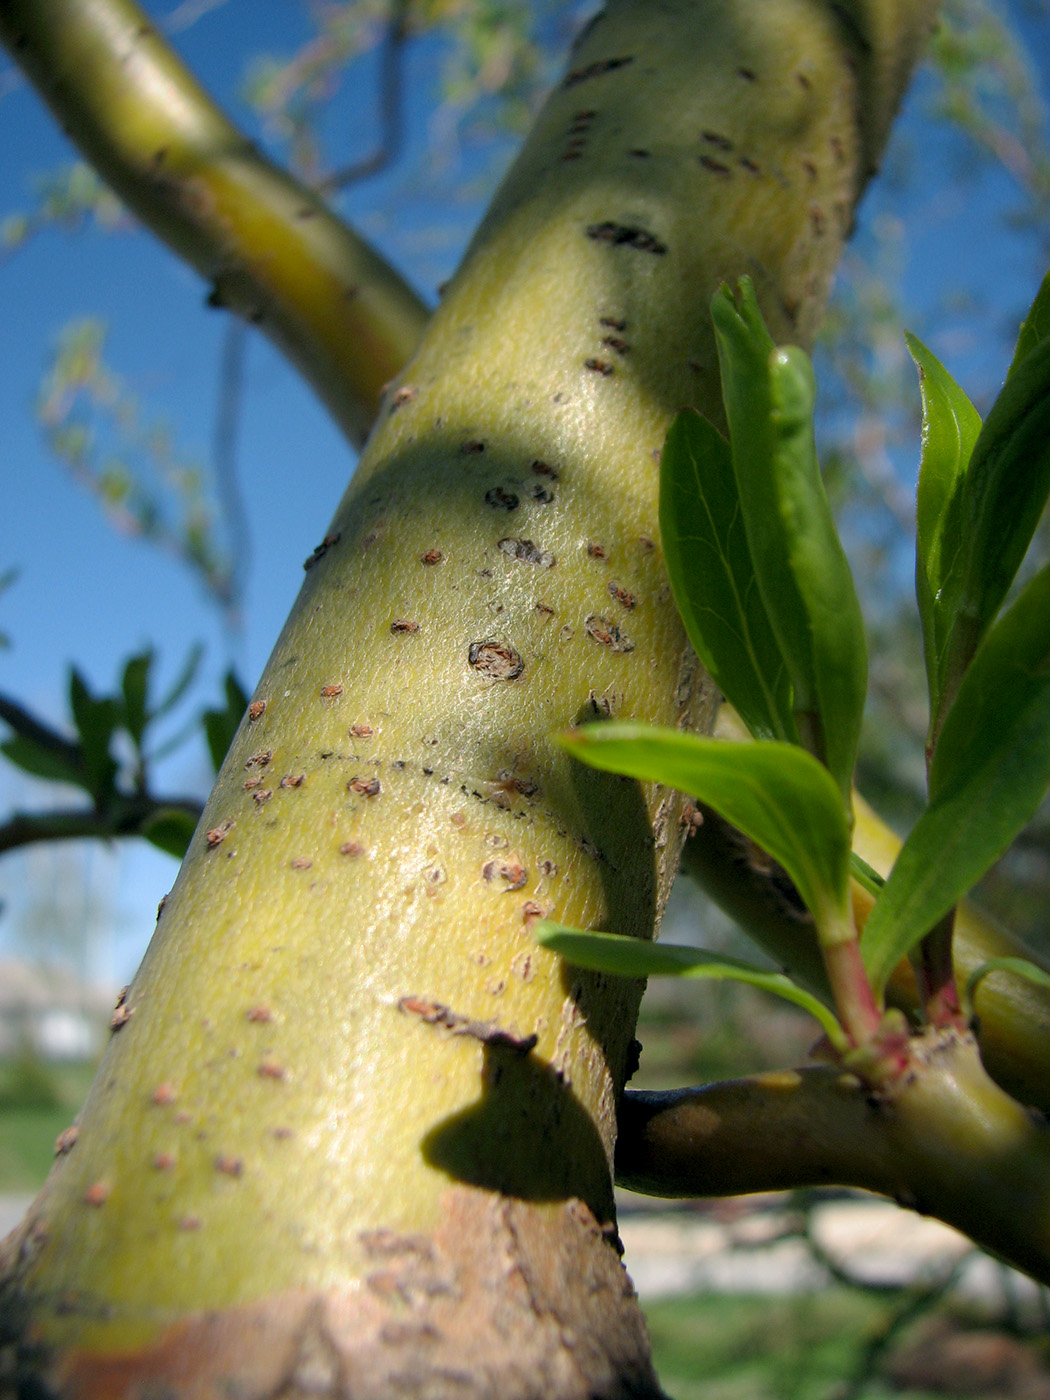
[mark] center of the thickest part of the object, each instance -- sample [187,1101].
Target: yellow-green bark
[352,1112]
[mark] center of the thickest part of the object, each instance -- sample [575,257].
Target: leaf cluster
[112,754]
[767,598]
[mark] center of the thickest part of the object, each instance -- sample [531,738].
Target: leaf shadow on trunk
[528,1135]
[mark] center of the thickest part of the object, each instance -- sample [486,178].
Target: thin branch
[27,726]
[944,1140]
[391,106]
[273,251]
[126,818]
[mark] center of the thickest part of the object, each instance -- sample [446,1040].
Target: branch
[946,1142]
[127,818]
[391,107]
[26,726]
[1014,1014]
[274,252]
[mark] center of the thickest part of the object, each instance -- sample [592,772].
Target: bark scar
[488,1032]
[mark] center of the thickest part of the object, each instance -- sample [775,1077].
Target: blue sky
[87,595]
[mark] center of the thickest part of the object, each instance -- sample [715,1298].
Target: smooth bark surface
[352,1115]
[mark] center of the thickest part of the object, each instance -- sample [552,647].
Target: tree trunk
[353,1133]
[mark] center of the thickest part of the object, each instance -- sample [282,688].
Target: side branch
[274,252]
[946,1142]
[1013,1014]
[128,817]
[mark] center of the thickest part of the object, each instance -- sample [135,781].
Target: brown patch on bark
[525,552]
[364,787]
[65,1140]
[501,499]
[319,552]
[626,236]
[504,1298]
[488,1032]
[607,633]
[597,69]
[495,659]
[510,870]
[120,1018]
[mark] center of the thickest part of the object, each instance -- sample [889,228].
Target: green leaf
[713,578]
[135,686]
[634,957]
[865,875]
[221,725]
[1038,976]
[169,829]
[236,695]
[950,427]
[1035,326]
[182,683]
[988,775]
[1001,499]
[776,794]
[41,761]
[800,566]
[95,719]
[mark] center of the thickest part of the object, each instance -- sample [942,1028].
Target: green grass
[33,1115]
[807,1347]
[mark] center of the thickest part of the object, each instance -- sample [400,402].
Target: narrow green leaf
[776,794]
[135,687]
[1001,499]
[221,725]
[1035,326]
[989,773]
[218,734]
[950,427]
[95,720]
[169,829]
[41,761]
[236,695]
[182,682]
[713,578]
[175,741]
[865,875]
[634,957]
[801,569]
